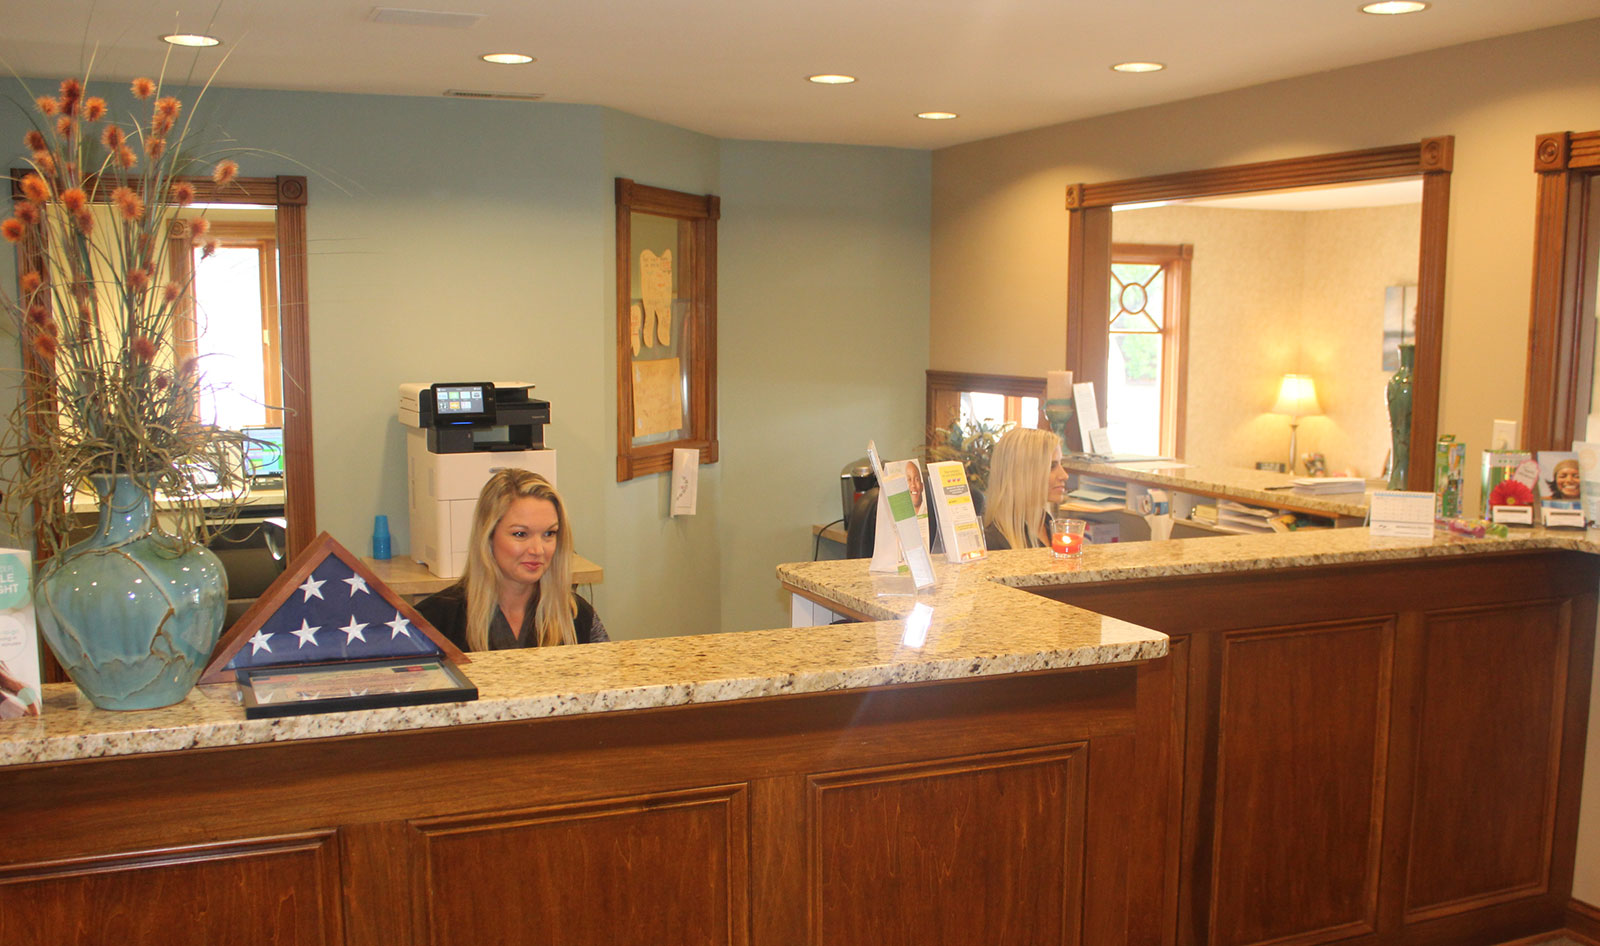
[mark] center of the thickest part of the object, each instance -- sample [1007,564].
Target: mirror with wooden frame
[260,227]
[666,327]
[1559,393]
[1090,259]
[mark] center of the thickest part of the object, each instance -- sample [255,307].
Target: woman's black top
[447,611]
[993,538]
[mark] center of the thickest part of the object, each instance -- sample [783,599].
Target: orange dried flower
[47,105]
[71,90]
[198,226]
[74,199]
[27,212]
[112,137]
[126,157]
[163,381]
[39,314]
[94,109]
[168,106]
[34,139]
[171,291]
[154,148]
[129,204]
[44,161]
[189,365]
[161,126]
[66,126]
[13,230]
[85,221]
[35,189]
[30,282]
[139,278]
[207,250]
[183,193]
[143,88]
[225,171]
[46,345]
[143,348]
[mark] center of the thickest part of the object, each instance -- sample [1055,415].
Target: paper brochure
[958,519]
[897,510]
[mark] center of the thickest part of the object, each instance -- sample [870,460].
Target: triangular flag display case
[329,634]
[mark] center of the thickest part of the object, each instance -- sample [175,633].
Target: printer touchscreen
[461,402]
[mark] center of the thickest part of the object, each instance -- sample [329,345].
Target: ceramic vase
[1399,398]
[130,613]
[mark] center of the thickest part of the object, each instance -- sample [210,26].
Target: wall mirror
[251,324]
[1202,289]
[1559,394]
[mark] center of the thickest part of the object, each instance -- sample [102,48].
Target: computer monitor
[263,452]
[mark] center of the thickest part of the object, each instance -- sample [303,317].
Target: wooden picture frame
[666,327]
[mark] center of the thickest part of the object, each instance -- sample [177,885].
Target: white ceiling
[737,68]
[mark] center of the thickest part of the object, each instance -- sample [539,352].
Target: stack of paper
[1099,493]
[1237,517]
[1330,484]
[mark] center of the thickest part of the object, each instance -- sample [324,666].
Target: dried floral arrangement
[972,445]
[99,316]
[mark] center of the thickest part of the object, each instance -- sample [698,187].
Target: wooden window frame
[944,390]
[1561,339]
[700,328]
[1089,255]
[1175,260]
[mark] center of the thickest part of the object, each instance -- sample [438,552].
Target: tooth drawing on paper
[655,278]
[635,322]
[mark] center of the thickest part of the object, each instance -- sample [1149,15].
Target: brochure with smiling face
[902,515]
[19,638]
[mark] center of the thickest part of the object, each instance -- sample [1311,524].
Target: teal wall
[454,239]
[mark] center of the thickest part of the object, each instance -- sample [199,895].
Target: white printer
[458,434]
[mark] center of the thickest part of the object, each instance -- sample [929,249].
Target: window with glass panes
[1144,361]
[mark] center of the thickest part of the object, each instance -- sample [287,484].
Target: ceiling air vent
[506,96]
[400,17]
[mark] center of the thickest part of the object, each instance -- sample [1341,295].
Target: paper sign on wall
[1088,411]
[657,396]
[685,480]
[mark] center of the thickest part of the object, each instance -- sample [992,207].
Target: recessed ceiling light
[190,39]
[1394,7]
[831,79]
[937,116]
[506,59]
[1138,67]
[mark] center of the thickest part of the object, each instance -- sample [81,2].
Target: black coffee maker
[854,479]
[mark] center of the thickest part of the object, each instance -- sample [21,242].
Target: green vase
[130,613]
[1399,397]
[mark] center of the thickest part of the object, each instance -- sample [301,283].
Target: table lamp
[1297,397]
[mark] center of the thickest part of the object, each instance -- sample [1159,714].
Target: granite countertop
[1259,487]
[970,628]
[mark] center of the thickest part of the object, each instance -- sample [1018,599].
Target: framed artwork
[666,327]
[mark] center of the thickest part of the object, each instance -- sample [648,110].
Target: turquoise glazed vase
[1399,398]
[130,613]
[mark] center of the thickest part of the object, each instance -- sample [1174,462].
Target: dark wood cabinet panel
[677,862]
[1487,755]
[1302,740]
[1004,833]
[266,891]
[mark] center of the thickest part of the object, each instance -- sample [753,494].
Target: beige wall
[999,224]
[1273,292]
[999,228]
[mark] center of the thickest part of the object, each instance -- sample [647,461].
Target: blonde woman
[1025,480]
[517,589]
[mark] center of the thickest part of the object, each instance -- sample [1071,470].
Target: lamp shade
[1297,396]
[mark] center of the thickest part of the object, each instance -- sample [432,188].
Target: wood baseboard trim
[1583,922]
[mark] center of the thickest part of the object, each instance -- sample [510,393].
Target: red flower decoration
[1511,493]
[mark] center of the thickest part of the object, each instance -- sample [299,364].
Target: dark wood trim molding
[946,383]
[1560,372]
[1583,922]
[1089,248]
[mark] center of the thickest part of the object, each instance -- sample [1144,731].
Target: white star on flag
[258,643]
[353,630]
[312,588]
[398,627]
[307,633]
[357,583]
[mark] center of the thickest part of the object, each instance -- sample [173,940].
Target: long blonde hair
[1019,484]
[552,616]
